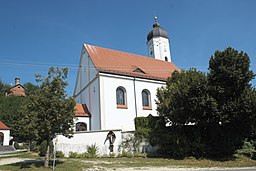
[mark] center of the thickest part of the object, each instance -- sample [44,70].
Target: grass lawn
[113,163]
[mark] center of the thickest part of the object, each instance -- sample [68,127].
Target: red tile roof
[117,62]
[81,110]
[3,126]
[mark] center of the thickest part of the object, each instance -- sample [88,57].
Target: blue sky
[35,35]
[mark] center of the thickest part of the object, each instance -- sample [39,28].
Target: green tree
[229,78]
[30,88]
[185,99]
[9,107]
[221,106]
[4,88]
[49,111]
[229,74]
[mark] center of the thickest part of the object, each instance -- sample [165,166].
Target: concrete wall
[80,139]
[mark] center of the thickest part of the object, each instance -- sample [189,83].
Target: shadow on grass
[34,163]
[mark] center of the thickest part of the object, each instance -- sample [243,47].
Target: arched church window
[146,102]
[81,126]
[121,97]
[166,59]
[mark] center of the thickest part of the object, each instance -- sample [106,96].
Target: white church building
[116,87]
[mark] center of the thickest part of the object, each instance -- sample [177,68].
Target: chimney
[17,81]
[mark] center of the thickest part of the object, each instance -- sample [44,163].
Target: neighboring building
[17,90]
[82,118]
[118,86]
[4,134]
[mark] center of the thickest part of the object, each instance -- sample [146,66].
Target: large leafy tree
[30,88]
[221,105]
[4,88]
[49,111]
[9,107]
[185,99]
[229,74]
[229,78]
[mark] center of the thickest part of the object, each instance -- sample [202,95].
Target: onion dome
[157,31]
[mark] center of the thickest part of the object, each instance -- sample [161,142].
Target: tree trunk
[47,154]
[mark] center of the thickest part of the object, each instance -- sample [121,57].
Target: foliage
[9,112]
[246,151]
[34,147]
[30,88]
[126,154]
[207,115]
[142,127]
[92,151]
[72,154]
[16,145]
[48,105]
[112,155]
[43,148]
[185,99]
[229,74]
[229,78]
[137,154]
[60,154]
[4,88]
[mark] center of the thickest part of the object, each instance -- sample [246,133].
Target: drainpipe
[135,100]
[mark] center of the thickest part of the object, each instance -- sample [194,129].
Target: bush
[137,154]
[34,146]
[43,148]
[92,151]
[112,155]
[60,154]
[73,154]
[126,154]
[246,151]
[16,145]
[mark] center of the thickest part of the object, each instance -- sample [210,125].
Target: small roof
[81,110]
[122,63]
[3,126]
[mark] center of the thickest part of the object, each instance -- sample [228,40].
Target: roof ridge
[118,62]
[130,53]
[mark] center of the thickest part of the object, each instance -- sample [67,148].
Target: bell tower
[158,43]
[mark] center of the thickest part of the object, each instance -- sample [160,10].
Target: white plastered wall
[6,137]
[160,47]
[80,140]
[119,118]
[87,89]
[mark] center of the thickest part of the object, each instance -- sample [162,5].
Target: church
[115,87]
